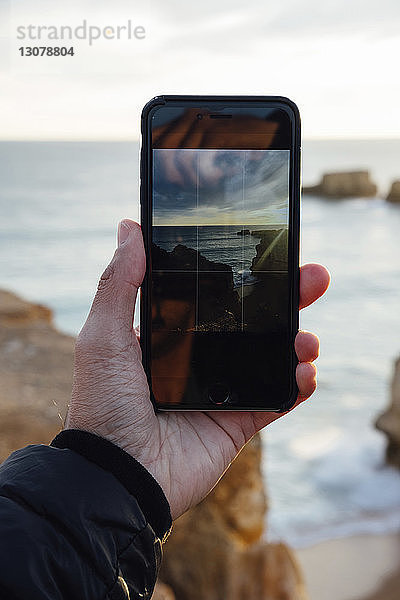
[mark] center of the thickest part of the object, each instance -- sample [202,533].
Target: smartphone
[220,203]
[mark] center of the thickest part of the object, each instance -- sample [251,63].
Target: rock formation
[216,551]
[388,590]
[263,301]
[389,421]
[352,184]
[35,372]
[175,277]
[272,250]
[162,592]
[394,194]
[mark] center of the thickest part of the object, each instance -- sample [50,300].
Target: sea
[323,465]
[224,244]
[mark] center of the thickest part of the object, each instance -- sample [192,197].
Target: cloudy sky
[336,58]
[227,187]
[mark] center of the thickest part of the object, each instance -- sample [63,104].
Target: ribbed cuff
[126,469]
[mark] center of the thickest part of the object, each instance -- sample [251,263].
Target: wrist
[129,471]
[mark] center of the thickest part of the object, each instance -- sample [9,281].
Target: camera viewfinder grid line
[197,243]
[243,239]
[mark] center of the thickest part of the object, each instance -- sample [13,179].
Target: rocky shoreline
[350,184]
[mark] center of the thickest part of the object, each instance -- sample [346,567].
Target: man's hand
[186,452]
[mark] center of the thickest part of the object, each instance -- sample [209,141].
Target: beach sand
[365,567]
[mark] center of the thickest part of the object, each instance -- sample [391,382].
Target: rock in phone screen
[220,298]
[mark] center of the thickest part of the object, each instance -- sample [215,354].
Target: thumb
[114,304]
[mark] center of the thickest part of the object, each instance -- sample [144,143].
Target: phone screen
[220,282]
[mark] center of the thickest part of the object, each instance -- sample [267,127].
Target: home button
[218,393]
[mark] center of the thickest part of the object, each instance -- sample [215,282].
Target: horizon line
[135,140]
[282,225]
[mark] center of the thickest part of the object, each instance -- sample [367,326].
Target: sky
[337,59]
[222,187]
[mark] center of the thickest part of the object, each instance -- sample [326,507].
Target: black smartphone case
[293,242]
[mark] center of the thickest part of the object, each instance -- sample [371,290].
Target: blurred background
[69,161]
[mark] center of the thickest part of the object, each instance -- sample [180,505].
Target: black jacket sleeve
[79,519]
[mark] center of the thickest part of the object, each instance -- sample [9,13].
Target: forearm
[75,518]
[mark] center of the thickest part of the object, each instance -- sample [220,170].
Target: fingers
[307,350]
[306,379]
[114,303]
[314,281]
[306,383]
[307,346]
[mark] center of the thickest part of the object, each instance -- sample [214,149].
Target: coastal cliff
[36,374]
[389,421]
[394,193]
[216,551]
[211,288]
[271,251]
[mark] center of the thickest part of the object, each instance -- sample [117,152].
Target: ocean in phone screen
[220,296]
